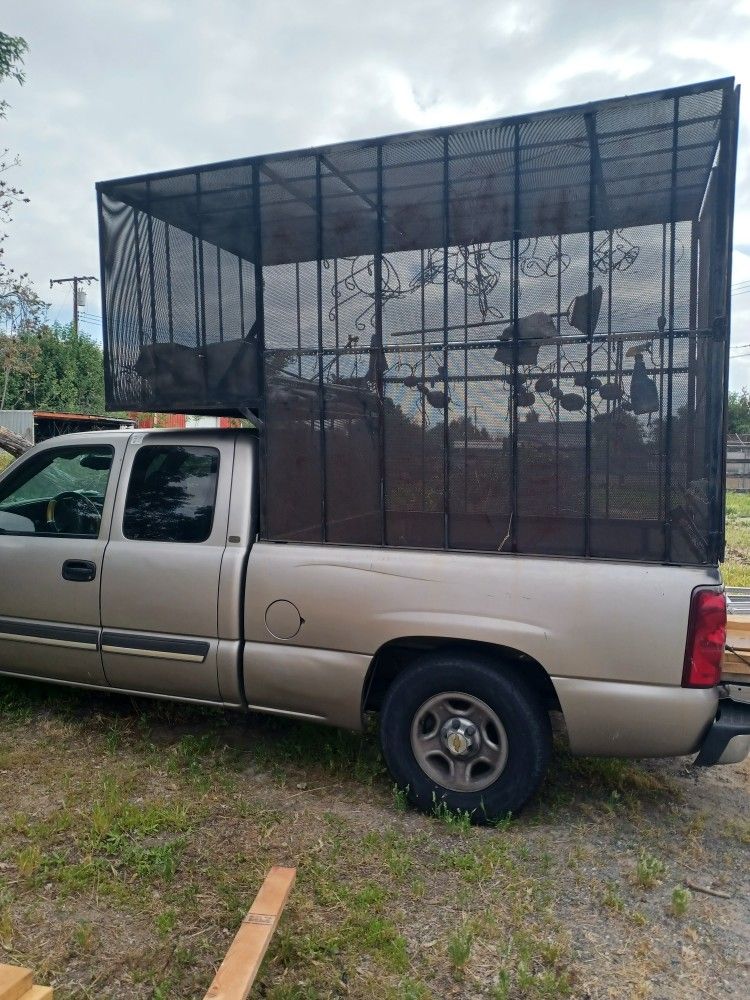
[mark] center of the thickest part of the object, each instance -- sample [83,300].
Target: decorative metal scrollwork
[615,252]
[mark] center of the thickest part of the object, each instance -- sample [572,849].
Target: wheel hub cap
[459,741]
[459,736]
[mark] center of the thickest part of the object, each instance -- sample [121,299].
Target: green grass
[134,835]
[736,567]
[738,505]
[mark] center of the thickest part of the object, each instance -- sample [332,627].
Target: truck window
[171,494]
[59,491]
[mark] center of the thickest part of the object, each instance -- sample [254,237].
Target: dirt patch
[133,837]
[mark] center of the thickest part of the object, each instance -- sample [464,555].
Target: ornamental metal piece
[615,252]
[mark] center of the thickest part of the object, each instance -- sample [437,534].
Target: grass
[134,835]
[150,827]
[736,567]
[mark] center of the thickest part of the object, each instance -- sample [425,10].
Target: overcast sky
[119,87]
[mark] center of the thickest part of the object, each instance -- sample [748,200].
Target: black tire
[527,732]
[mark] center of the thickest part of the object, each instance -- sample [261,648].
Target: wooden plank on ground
[14,982]
[241,963]
[39,993]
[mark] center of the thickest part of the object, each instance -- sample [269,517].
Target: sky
[119,88]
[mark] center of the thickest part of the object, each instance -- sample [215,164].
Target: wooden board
[241,963]
[737,667]
[18,984]
[14,982]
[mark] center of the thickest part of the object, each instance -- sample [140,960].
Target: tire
[489,773]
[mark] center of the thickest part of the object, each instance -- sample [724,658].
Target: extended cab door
[160,581]
[55,508]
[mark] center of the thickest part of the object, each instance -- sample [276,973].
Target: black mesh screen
[509,336]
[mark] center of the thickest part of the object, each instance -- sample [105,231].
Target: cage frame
[260,166]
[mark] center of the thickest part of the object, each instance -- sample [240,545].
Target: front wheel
[463,730]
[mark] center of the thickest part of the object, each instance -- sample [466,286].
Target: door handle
[78,570]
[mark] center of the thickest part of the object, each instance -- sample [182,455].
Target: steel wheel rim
[449,753]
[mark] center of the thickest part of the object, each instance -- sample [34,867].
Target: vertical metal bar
[422,403]
[692,351]
[241,281]
[609,375]
[201,272]
[446,427]
[196,294]
[336,313]
[558,321]
[378,340]
[299,320]
[138,290]
[321,384]
[111,401]
[589,341]
[721,315]
[260,327]
[168,259]
[514,277]
[466,380]
[152,283]
[218,288]
[662,443]
[668,444]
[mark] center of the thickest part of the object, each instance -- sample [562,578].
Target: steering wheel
[66,512]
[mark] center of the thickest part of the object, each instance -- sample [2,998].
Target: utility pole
[84,278]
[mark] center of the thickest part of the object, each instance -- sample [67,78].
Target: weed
[457,819]
[459,948]
[648,870]
[165,922]
[400,798]
[501,989]
[680,900]
[29,860]
[612,898]
[409,989]
[739,829]
[84,936]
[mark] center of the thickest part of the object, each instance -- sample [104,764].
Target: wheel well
[394,657]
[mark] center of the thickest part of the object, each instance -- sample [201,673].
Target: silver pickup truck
[131,563]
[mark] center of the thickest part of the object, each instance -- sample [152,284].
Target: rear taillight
[707,634]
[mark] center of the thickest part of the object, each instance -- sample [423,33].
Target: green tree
[59,371]
[738,413]
[20,306]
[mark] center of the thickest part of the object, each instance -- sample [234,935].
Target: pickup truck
[131,563]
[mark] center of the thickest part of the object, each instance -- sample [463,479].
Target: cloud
[116,89]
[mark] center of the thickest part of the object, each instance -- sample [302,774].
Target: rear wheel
[463,730]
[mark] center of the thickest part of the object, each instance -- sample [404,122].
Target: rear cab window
[171,494]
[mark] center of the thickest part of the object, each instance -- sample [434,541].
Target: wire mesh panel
[506,337]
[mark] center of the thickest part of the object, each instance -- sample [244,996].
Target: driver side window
[59,491]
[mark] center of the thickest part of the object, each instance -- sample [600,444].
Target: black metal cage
[506,336]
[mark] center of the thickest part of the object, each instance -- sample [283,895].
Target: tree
[51,369]
[738,413]
[20,306]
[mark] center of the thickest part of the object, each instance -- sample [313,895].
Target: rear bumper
[728,739]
